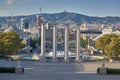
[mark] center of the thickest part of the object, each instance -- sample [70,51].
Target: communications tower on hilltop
[39,19]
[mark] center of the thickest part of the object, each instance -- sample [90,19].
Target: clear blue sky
[87,7]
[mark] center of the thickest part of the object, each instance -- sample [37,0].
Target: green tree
[10,42]
[83,43]
[113,48]
[2,47]
[102,42]
[34,41]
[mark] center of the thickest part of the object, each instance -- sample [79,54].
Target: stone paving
[58,71]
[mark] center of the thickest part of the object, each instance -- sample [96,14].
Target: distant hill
[67,16]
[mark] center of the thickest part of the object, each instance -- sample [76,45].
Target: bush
[8,70]
[110,71]
[113,71]
[98,70]
[3,57]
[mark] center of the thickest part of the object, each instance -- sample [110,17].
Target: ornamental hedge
[8,69]
[110,71]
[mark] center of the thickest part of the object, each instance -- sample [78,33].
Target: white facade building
[107,31]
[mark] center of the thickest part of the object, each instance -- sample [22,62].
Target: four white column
[66,53]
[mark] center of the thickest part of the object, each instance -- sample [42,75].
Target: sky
[100,8]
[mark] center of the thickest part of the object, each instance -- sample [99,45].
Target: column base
[66,60]
[42,59]
[78,60]
[54,60]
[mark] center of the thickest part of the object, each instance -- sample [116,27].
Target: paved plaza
[34,70]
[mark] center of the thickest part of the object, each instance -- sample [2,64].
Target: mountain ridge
[65,16]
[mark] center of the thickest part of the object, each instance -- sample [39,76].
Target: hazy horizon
[99,8]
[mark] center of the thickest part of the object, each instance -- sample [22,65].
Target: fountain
[35,57]
[60,54]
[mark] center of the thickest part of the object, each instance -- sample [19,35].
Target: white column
[66,57]
[54,43]
[42,56]
[78,43]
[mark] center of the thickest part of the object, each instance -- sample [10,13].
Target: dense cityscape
[29,31]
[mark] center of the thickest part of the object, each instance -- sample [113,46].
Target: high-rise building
[39,21]
[24,23]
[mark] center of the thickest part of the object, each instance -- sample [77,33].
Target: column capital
[78,25]
[66,24]
[43,24]
[53,25]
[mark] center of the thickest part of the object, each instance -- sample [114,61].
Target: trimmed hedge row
[3,57]
[110,71]
[8,69]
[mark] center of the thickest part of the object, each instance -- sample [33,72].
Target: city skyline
[99,8]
